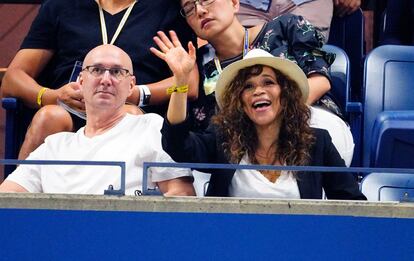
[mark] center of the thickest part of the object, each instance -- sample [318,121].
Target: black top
[205,147]
[71,28]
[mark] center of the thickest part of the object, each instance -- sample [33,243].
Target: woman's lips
[204,22]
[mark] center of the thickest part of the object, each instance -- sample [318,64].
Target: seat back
[393,140]
[340,75]
[388,86]
[18,118]
[348,33]
[341,89]
[388,186]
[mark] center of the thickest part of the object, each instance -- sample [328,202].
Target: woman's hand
[181,64]
[171,51]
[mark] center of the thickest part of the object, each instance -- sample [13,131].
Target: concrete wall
[75,227]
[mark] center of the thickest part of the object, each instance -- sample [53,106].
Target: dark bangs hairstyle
[239,133]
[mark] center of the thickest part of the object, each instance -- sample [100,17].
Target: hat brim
[288,68]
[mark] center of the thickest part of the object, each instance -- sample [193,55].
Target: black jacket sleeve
[337,185]
[186,146]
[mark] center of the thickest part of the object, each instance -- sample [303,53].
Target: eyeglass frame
[194,4]
[110,70]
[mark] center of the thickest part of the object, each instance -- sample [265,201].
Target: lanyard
[120,26]
[245,50]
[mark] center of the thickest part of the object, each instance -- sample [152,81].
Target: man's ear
[80,81]
[132,85]
[80,78]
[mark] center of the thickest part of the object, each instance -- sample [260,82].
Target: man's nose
[106,76]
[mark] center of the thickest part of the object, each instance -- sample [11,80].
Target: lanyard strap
[120,26]
[245,50]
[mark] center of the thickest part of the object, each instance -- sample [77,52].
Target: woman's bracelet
[179,89]
[40,95]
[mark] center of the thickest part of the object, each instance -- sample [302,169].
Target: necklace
[120,26]
[245,50]
[271,175]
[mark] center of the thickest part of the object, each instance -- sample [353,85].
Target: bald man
[110,134]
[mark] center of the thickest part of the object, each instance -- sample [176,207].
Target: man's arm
[182,186]
[10,186]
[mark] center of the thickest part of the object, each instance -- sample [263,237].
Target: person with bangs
[263,120]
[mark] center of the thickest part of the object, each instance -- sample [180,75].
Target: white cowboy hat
[259,56]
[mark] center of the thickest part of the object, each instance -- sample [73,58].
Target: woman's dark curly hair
[239,133]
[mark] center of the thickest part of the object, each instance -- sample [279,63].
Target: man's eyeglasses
[189,7]
[98,71]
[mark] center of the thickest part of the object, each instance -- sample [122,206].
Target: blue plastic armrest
[9,103]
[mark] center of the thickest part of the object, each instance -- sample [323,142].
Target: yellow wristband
[39,95]
[180,89]
[171,89]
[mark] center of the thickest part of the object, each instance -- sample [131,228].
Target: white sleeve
[29,176]
[160,174]
[156,174]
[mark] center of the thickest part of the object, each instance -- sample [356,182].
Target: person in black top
[44,71]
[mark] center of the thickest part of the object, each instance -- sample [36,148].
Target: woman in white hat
[263,119]
[287,36]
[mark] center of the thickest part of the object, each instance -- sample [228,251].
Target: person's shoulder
[320,134]
[147,119]
[64,7]
[286,17]
[59,4]
[60,137]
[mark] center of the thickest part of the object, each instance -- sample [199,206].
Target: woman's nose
[200,10]
[258,89]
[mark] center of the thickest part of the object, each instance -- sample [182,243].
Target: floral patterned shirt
[287,36]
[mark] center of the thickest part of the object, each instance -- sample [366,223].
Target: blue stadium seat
[341,89]
[348,33]
[18,118]
[388,187]
[393,140]
[388,86]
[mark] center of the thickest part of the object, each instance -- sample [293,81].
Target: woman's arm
[337,185]
[304,45]
[19,81]
[318,86]
[182,65]
[158,89]
[177,140]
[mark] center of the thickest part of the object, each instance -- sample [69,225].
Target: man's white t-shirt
[134,140]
